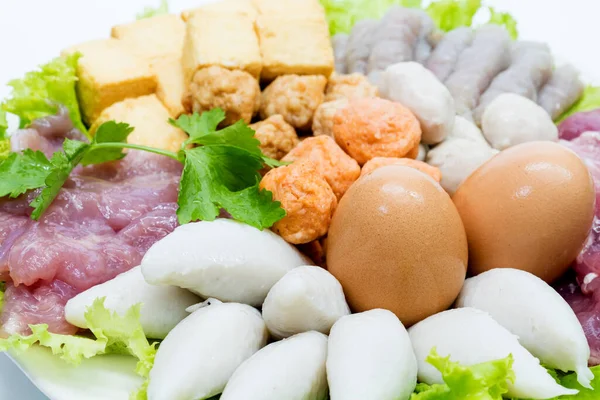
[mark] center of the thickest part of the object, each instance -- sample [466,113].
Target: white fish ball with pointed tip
[512,119]
[224,259]
[291,369]
[370,357]
[457,158]
[418,89]
[198,357]
[470,336]
[531,309]
[162,307]
[307,298]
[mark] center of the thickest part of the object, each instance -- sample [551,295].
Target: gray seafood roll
[530,69]
[426,39]
[395,39]
[359,46]
[443,59]
[477,66]
[340,48]
[562,90]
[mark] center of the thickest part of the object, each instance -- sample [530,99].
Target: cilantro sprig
[220,172]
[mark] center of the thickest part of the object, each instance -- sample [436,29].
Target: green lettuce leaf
[590,100]
[485,381]
[570,381]
[114,334]
[40,92]
[447,14]
[150,12]
[3,124]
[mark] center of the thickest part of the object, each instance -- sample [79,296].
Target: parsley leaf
[39,93]
[108,132]
[22,172]
[198,125]
[62,164]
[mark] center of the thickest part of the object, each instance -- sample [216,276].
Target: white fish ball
[307,298]
[531,309]
[423,149]
[162,307]
[418,89]
[457,159]
[292,369]
[198,357]
[465,129]
[512,119]
[370,357]
[470,336]
[224,259]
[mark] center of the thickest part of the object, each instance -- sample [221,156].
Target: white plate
[569,26]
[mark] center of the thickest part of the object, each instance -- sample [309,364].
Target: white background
[34,31]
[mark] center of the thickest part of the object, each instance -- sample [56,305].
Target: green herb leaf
[506,20]
[485,381]
[451,14]
[40,92]
[150,12]
[108,132]
[22,172]
[199,125]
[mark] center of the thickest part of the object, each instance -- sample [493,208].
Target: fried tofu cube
[245,7]
[109,72]
[153,38]
[294,45]
[170,89]
[150,120]
[290,7]
[225,40]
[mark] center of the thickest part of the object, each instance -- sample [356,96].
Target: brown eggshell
[397,242]
[530,207]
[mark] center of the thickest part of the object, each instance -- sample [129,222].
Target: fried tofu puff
[379,162]
[307,199]
[374,127]
[295,97]
[338,168]
[277,137]
[352,86]
[235,91]
[323,119]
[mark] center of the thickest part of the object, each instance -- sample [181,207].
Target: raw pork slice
[100,225]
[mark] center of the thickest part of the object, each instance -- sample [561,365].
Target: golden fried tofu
[150,120]
[294,45]
[170,89]
[225,6]
[290,7]
[153,38]
[109,72]
[225,40]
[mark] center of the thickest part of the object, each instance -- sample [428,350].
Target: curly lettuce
[114,334]
[39,93]
[485,381]
[447,14]
[4,140]
[150,12]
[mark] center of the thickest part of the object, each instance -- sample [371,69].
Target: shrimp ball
[277,137]
[236,92]
[295,97]
[417,88]
[323,120]
[512,119]
[307,199]
[338,168]
[379,162]
[374,127]
[353,86]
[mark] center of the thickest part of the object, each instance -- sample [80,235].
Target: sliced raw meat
[477,66]
[443,59]
[101,224]
[562,90]
[579,123]
[530,68]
